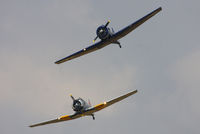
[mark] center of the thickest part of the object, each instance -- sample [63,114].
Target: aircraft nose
[101,31]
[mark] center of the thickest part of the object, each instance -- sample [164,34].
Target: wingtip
[57,62]
[160,8]
[135,91]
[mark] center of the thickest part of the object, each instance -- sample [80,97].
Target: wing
[84,51]
[106,104]
[134,25]
[60,119]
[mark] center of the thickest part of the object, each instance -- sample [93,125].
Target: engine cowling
[102,32]
[78,105]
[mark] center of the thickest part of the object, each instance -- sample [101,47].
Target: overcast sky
[161,59]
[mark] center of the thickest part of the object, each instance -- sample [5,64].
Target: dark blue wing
[84,51]
[134,25]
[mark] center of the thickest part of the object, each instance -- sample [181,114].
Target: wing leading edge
[136,24]
[106,104]
[84,51]
[60,119]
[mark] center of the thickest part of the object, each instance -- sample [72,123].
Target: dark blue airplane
[108,36]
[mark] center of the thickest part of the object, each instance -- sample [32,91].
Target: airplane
[82,108]
[108,36]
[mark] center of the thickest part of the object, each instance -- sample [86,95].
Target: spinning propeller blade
[107,23]
[72,97]
[95,39]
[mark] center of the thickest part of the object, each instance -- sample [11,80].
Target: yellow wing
[86,112]
[106,104]
[60,119]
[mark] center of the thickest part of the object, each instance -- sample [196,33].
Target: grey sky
[160,59]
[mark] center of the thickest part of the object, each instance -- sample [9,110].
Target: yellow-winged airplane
[82,108]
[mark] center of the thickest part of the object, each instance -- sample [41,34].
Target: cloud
[186,73]
[185,99]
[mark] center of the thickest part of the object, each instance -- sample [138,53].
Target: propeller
[95,39]
[107,23]
[105,27]
[72,97]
